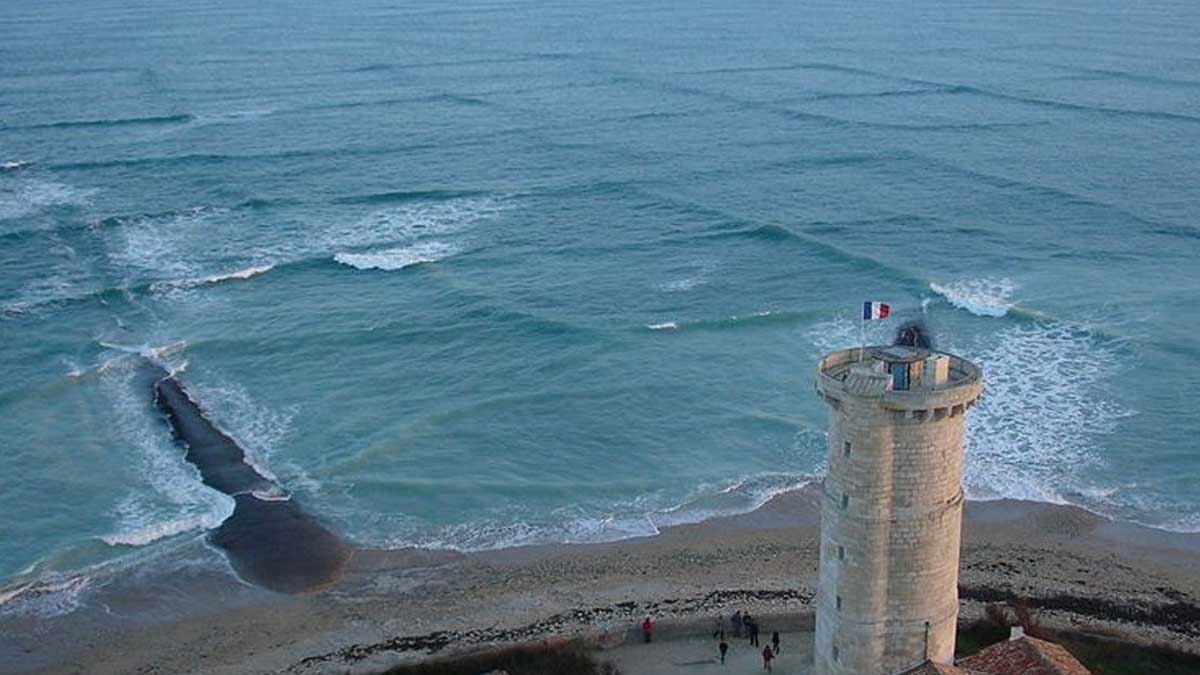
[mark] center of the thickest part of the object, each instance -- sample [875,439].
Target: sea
[491,273]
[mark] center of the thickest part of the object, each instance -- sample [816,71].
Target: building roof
[1025,656]
[931,668]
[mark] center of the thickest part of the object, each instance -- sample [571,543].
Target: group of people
[742,622]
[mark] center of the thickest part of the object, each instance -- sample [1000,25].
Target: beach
[1078,570]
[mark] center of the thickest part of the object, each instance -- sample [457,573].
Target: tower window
[846,448]
[845,501]
[836,654]
[841,553]
[839,602]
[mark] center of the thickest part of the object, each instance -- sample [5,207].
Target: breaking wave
[981,297]
[140,524]
[412,220]
[398,258]
[638,517]
[246,273]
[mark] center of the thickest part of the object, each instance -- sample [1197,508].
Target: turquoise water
[498,273]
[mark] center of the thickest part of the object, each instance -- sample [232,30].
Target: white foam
[272,494]
[666,325]
[242,274]
[169,497]
[17,308]
[981,297]
[153,353]
[681,285]
[13,165]
[741,495]
[495,533]
[259,430]
[1043,412]
[26,197]
[642,516]
[841,332]
[697,273]
[164,245]
[45,598]
[398,258]
[140,527]
[413,220]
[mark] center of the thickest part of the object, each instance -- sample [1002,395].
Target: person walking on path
[753,625]
[775,642]
[767,656]
[647,628]
[723,646]
[737,623]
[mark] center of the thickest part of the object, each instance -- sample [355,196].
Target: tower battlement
[919,383]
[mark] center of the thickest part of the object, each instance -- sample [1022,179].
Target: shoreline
[1075,567]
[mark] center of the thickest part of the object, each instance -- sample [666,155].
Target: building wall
[890,534]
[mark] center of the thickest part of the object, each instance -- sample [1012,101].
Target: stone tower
[891,513]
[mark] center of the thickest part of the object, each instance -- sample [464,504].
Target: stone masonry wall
[891,527]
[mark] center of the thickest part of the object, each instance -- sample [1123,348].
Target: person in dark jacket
[737,623]
[767,656]
[752,626]
[775,642]
[723,646]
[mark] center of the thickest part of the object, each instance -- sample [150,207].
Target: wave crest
[981,297]
[242,274]
[398,258]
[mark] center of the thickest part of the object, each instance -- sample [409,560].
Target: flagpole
[862,333]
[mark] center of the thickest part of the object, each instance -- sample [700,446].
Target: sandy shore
[1079,569]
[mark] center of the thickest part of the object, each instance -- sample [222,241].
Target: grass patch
[1102,656]
[562,658]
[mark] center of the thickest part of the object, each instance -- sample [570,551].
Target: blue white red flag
[875,310]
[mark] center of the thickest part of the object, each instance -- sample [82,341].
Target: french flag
[875,310]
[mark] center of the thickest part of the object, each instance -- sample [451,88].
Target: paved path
[699,656]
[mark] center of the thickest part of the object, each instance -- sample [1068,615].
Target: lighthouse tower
[891,514]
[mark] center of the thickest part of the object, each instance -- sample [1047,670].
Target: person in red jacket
[647,628]
[767,656]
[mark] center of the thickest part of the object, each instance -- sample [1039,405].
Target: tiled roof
[1025,656]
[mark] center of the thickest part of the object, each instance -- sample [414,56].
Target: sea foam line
[638,517]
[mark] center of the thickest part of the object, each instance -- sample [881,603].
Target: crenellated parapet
[935,385]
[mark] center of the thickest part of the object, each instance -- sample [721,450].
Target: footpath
[699,656]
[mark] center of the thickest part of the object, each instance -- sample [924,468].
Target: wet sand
[1082,571]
